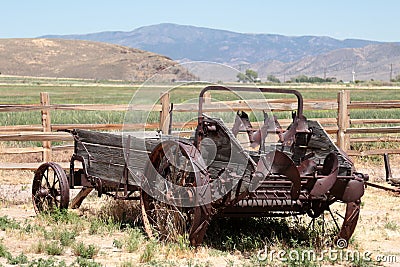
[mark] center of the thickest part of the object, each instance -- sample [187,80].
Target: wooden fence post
[164,114]
[46,125]
[207,97]
[343,120]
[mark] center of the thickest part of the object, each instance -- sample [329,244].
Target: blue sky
[364,19]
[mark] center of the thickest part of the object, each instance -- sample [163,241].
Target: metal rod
[387,167]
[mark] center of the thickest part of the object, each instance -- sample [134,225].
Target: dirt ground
[377,232]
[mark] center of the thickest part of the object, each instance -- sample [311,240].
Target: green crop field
[17,90]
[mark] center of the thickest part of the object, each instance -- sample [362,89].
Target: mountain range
[282,56]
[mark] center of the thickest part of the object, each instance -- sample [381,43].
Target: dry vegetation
[80,59]
[104,232]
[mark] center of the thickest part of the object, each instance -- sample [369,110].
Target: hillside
[181,42]
[83,59]
[369,62]
[282,56]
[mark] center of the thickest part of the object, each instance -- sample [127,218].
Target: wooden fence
[346,129]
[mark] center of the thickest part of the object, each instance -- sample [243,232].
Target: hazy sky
[365,19]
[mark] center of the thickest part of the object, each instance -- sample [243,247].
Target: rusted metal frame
[249,213]
[199,131]
[388,170]
[89,181]
[250,89]
[395,190]
[272,195]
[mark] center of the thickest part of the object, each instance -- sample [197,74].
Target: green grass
[108,93]
[8,223]
[53,248]
[391,226]
[83,251]
[23,90]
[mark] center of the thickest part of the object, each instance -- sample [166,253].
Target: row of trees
[396,79]
[252,76]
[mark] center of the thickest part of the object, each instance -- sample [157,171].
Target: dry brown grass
[378,230]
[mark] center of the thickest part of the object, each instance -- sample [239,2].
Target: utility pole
[391,72]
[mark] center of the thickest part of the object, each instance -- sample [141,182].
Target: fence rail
[339,127]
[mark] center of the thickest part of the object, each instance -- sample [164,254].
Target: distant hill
[83,59]
[181,42]
[282,56]
[369,62]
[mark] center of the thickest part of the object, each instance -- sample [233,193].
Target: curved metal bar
[250,89]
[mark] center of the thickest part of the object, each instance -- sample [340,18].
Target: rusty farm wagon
[186,181]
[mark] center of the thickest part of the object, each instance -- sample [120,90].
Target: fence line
[339,126]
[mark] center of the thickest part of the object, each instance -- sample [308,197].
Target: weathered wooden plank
[375,121]
[106,107]
[19,150]
[20,107]
[32,166]
[82,107]
[259,104]
[46,123]
[36,136]
[395,129]
[374,105]
[375,139]
[373,152]
[99,127]
[110,155]
[116,140]
[101,138]
[20,128]
[104,155]
[343,139]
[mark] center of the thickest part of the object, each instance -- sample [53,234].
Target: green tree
[300,79]
[248,76]
[273,79]
[241,77]
[252,75]
[396,79]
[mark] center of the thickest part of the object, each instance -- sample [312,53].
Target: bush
[85,252]
[53,249]
[6,223]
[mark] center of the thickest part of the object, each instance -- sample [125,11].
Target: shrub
[86,252]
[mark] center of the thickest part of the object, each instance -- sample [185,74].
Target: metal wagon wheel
[337,223]
[164,212]
[50,189]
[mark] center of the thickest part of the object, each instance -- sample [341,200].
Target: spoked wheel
[169,201]
[50,189]
[336,223]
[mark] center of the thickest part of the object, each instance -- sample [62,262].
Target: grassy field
[104,232]
[64,91]
[20,90]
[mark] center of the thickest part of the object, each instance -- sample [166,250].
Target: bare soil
[377,232]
